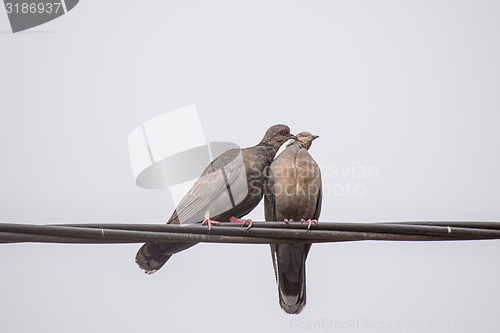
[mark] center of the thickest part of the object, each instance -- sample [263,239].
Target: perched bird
[293,192]
[228,189]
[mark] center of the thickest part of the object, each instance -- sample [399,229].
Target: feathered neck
[297,143]
[269,145]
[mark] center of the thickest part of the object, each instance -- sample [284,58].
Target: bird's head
[277,135]
[305,139]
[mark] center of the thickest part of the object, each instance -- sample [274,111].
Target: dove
[228,189]
[293,193]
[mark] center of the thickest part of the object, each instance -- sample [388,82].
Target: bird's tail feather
[152,256]
[290,267]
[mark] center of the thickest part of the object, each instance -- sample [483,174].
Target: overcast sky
[409,89]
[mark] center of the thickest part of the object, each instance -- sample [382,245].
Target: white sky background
[410,87]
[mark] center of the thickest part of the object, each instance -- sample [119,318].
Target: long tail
[290,267]
[152,256]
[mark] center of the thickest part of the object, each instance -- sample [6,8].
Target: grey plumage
[293,191]
[231,185]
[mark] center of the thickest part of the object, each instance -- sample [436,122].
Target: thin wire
[260,233]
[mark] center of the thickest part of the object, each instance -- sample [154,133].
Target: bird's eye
[299,135]
[283,132]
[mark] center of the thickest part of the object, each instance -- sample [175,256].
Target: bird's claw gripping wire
[235,219]
[208,221]
[309,221]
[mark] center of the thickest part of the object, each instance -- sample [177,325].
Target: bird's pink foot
[287,220]
[235,219]
[209,222]
[309,221]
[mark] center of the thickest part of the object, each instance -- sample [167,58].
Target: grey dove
[228,189]
[293,192]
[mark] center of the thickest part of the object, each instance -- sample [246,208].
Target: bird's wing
[317,211]
[269,198]
[218,176]
[319,183]
[281,173]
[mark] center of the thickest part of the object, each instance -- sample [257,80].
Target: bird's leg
[309,221]
[209,221]
[235,219]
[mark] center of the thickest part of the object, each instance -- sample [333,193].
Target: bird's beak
[293,137]
[315,137]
